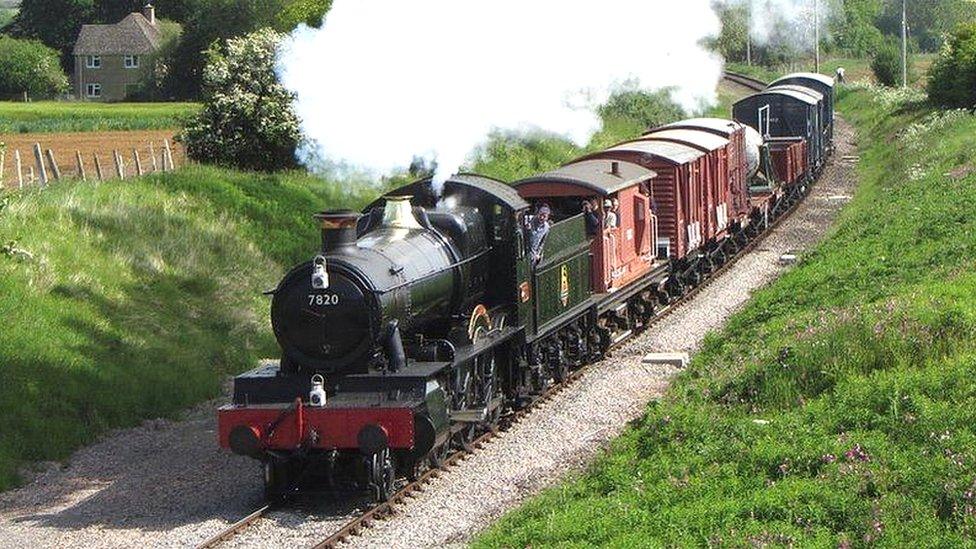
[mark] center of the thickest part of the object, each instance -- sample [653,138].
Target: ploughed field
[100,143]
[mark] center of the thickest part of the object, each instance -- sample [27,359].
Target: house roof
[134,35]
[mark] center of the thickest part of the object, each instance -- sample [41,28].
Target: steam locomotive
[426,317]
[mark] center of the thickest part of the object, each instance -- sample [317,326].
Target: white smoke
[788,22]
[385,80]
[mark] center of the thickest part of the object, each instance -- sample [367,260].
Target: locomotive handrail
[433,274]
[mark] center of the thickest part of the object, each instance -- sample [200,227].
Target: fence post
[135,156]
[119,166]
[167,156]
[152,157]
[20,171]
[98,167]
[54,165]
[30,175]
[39,160]
[3,160]
[81,166]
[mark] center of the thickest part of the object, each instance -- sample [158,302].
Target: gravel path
[166,484]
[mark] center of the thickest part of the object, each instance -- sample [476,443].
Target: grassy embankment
[61,117]
[838,408]
[139,297]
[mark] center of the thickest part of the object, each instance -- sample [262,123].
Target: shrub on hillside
[30,66]
[248,119]
[886,64]
[649,109]
[952,79]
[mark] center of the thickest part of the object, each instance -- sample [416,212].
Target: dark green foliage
[54,22]
[215,21]
[113,11]
[928,20]
[647,109]
[835,410]
[247,119]
[156,84]
[854,32]
[886,64]
[952,79]
[30,66]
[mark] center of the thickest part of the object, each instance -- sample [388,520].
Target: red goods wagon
[718,196]
[678,191]
[789,156]
[622,253]
[738,163]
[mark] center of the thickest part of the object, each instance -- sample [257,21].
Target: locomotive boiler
[376,332]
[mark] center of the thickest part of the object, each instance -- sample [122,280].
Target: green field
[59,117]
[138,298]
[839,408]
[856,70]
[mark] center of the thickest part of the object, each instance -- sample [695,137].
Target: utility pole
[904,43]
[749,36]
[816,31]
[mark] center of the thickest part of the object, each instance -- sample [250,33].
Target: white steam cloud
[787,22]
[386,80]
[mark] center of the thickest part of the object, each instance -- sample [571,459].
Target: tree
[247,119]
[214,21]
[952,78]
[30,66]
[647,109]
[732,41]
[113,11]
[928,22]
[156,82]
[54,22]
[886,64]
[854,31]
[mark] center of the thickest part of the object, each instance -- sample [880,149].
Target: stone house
[111,60]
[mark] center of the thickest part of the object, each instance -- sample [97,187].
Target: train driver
[537,228]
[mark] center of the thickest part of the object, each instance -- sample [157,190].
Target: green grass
[59,117]
[855,69]
[140,297]
[839,407]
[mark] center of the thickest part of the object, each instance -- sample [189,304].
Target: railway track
[385,509]
[743,80]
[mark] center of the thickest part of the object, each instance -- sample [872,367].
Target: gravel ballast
[166,484]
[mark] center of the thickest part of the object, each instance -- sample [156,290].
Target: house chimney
[149,12]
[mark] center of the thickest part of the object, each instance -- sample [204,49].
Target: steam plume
[787,22]
[386,80]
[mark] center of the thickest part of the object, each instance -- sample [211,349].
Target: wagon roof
[595,175]
[801,89]
[823,79]
[716,125]
[670,152]
[695,137]
[802,97]
[504,193]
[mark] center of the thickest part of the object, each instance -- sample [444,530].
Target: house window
[93,61]
[131,61]
[94,90]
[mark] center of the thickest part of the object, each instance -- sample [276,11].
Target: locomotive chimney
[398,213]
[338,229]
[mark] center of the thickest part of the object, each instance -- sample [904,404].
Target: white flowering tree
[247,120]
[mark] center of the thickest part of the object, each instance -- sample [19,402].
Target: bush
[248,119]
[30,66]
[887,64]
[952,79]
[649,109]
[156,84]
